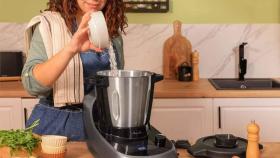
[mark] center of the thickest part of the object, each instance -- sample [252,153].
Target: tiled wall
[11,36]
[217,44]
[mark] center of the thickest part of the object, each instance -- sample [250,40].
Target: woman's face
[91,5]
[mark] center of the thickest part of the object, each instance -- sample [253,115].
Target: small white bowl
[98,31]
[60,155]
[54,140]
[53,149]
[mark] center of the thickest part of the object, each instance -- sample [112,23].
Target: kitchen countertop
[12,89]
[79,150]
[164,89]
[203,89]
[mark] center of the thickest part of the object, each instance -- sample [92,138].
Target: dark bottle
[184,72]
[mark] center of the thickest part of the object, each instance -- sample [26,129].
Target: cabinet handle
[25,115]
[219,117]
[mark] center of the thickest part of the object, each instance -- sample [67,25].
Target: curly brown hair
[114,12]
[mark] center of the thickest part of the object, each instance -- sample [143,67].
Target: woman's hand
[80,41]
[48,72]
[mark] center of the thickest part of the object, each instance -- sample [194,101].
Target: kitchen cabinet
[27,105]
[15,111]
[231,115]
[10,113]
[180,118]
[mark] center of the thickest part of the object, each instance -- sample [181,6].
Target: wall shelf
[147,6]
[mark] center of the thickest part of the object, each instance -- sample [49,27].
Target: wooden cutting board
[176,51]
[5,153]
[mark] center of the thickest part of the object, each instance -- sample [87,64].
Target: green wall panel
[20,10]
[188,11]
[215,11]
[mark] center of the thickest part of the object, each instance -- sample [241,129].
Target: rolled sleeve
[36,55]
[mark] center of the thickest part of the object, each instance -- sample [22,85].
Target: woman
[60,59]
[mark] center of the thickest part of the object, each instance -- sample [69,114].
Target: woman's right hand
[48,72]
[80,41]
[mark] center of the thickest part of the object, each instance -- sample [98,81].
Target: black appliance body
[219,146]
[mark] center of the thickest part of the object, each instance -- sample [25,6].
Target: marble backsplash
[217,44]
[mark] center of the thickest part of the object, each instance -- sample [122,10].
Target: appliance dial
[160,140]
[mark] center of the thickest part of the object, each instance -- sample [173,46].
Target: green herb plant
[20,139]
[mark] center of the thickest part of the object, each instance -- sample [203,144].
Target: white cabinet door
[10,113]
[27,105]
[183,118]
[233,115]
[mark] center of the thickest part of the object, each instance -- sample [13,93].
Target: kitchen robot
[117,116]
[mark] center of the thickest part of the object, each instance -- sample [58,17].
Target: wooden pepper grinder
[195,61]
[253,150]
